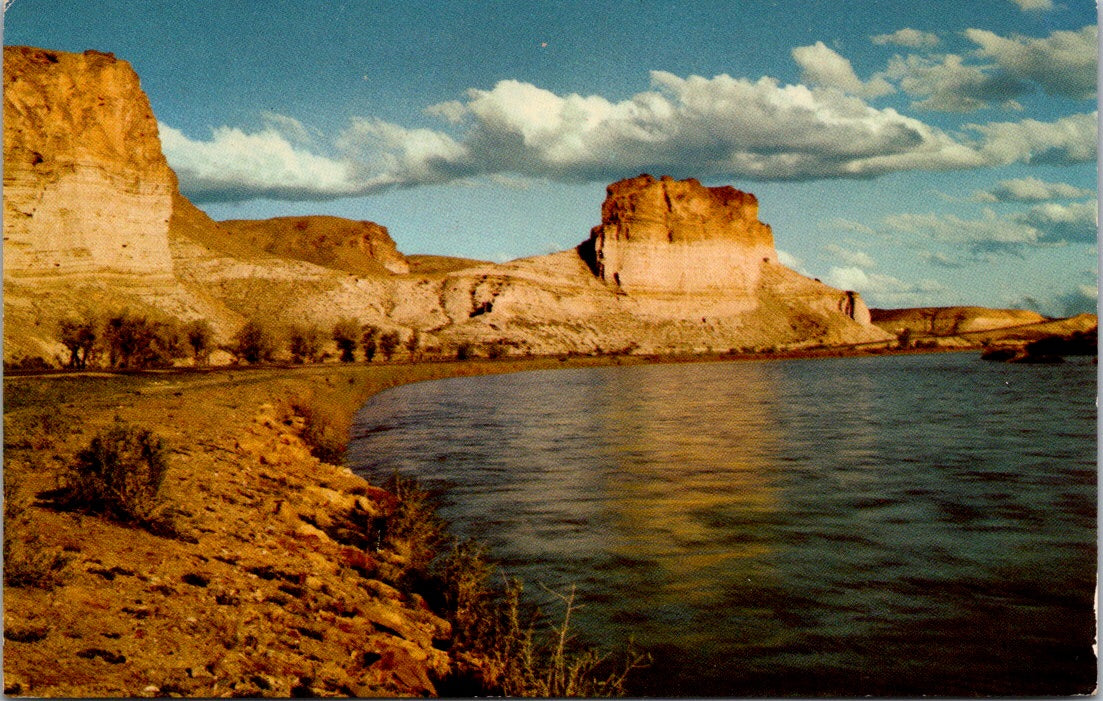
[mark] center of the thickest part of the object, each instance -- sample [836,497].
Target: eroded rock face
[671,236]
[360,247]
[86,187]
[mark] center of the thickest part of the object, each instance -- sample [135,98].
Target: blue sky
[923,153]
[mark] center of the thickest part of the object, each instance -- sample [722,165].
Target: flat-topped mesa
[86,187]
[671,236]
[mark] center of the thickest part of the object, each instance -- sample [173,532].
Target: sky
[921,153]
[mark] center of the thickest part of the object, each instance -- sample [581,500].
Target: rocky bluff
[94,222]
[677,237]
[86,187]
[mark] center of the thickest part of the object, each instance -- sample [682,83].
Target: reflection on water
[905,525]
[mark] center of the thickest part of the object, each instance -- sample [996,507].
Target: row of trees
[124,340]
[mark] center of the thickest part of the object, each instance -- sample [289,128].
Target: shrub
[28,564]
[413,343]
[254,343]
[496,350]
[79,337]
[345,334]
[305,343]
[30,362]
[120,475]
[325,429]
[494,622]
[904,338]
[415,527]
[388,342]
[463,351]
[200,339]
[368,342]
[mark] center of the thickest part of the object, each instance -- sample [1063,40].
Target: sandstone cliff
[678,237]
[94,223]
[86,187]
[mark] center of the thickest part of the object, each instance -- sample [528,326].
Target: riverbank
[259,592]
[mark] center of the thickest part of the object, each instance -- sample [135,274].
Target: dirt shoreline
[260,595]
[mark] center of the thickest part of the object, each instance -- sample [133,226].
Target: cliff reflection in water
[673,494]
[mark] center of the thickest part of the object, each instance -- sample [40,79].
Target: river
[895,525]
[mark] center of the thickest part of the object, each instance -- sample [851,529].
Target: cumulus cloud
[289,127]
[821,65]
[946,84]
[235,165]
[1068,140]
[384,154]
[912,38]
[884,290]
[993,234]
[1064,63]
[1083,299]
[854,258]
[720,127]
[1030,189]
[941,260]
[1059,223]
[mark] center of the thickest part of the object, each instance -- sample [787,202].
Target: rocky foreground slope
[268,585]
[94,222]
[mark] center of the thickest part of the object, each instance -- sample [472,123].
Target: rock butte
[94,222]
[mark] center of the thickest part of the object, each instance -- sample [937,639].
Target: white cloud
[884,290]
[788,259]
[1030,189]
[289,127]
[941,260]
[1060,223]
[234,165]
[1064,63]
[821,65]
[993,234]
[452,111]
[854,258]
[386,154]
[1071,139]
[912,38]
[1034,5]
[703,127]
[720,127]
[946,84]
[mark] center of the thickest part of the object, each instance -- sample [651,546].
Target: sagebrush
[120,475]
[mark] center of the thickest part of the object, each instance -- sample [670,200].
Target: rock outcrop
[359,247]
[948,321]
[87,190]
[678,237]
